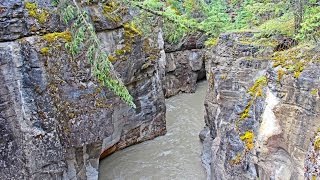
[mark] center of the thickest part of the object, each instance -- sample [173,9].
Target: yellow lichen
[131,30]
[248,138]
[245,113]
[51,37]
[314,177]
[114,11]
[130,34]
[40,14]
[281,73]
[44,50]
[314,92]
[317,144]
[120,52]
[224,76]
[256,90]
[212,42]
[299,67]
[111,58]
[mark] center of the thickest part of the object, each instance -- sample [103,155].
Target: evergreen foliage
[213,17]
[184,17]
[310,27]
[84,39]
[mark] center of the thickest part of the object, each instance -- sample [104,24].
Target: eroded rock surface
[184,65]
[260,121]
[56,119]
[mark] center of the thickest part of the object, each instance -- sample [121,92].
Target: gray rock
[56,119]
[271,140]
[183,70]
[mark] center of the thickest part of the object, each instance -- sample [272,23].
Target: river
[173,156]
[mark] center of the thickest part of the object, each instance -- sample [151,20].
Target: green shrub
[310,27]
[279,26]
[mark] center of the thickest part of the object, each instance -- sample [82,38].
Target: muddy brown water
[173,156]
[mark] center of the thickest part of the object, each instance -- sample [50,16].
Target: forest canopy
[298,19]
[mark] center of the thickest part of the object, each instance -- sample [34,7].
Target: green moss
[294,59]
[298,68]
[131,30]
[262,43]
[248,138]
[51,37]
[278,26]
[113,11]
[266,42]
[44,50]
[40,14]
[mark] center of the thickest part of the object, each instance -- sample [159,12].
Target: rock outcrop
[261,116]
[184,65]
[56,119]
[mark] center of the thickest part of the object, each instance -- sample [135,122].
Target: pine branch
[83,33]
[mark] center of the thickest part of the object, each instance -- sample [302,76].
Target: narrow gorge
[229,105]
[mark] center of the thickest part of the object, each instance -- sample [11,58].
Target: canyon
[58,122]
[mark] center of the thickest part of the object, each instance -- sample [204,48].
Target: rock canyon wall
[262,112]
[56,119]
[185,65]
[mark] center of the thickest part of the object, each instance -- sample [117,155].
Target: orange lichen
[237,159]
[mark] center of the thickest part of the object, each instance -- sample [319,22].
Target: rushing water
[173,156]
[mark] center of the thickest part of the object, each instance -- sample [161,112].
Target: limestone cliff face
[184,65]
[55,118]
[260,119]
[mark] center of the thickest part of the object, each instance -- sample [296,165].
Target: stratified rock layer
[260,124]
[55,118]
[184,65]
[183,70]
